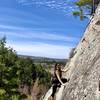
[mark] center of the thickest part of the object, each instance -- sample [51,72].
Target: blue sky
[40,27]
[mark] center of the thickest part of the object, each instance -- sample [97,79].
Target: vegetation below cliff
[19,77]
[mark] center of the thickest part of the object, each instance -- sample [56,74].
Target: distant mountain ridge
[43,59]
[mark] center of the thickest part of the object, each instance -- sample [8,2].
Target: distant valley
[44,59]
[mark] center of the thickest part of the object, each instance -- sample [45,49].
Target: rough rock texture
[84,71]
[84,66]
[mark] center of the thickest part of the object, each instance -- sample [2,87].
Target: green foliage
[8,78]
[16,71]
[79,13]
[26,69]
[83,2]
[44,76]
[86,7]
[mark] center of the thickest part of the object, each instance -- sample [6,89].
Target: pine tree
[16,71]
[85,8]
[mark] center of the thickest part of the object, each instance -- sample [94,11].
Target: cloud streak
[63,5]
[39,36]
[41,49]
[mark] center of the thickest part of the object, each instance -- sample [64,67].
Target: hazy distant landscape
[44,59]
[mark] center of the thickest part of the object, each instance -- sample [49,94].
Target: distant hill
[44,59]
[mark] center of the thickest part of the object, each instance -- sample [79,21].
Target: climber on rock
[57,80]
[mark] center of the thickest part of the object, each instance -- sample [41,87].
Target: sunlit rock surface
[85,65]
[48,94]
[84,70]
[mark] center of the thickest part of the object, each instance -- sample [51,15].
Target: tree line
[16,72]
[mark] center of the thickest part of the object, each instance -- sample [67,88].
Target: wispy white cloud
[18,14]
[21,28]
[39,36]
[11,27]
[41,49]
[63,5]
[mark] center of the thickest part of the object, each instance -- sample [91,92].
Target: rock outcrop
[84,66]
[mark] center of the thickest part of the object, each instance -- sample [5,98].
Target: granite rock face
[84,70]
[84,66]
